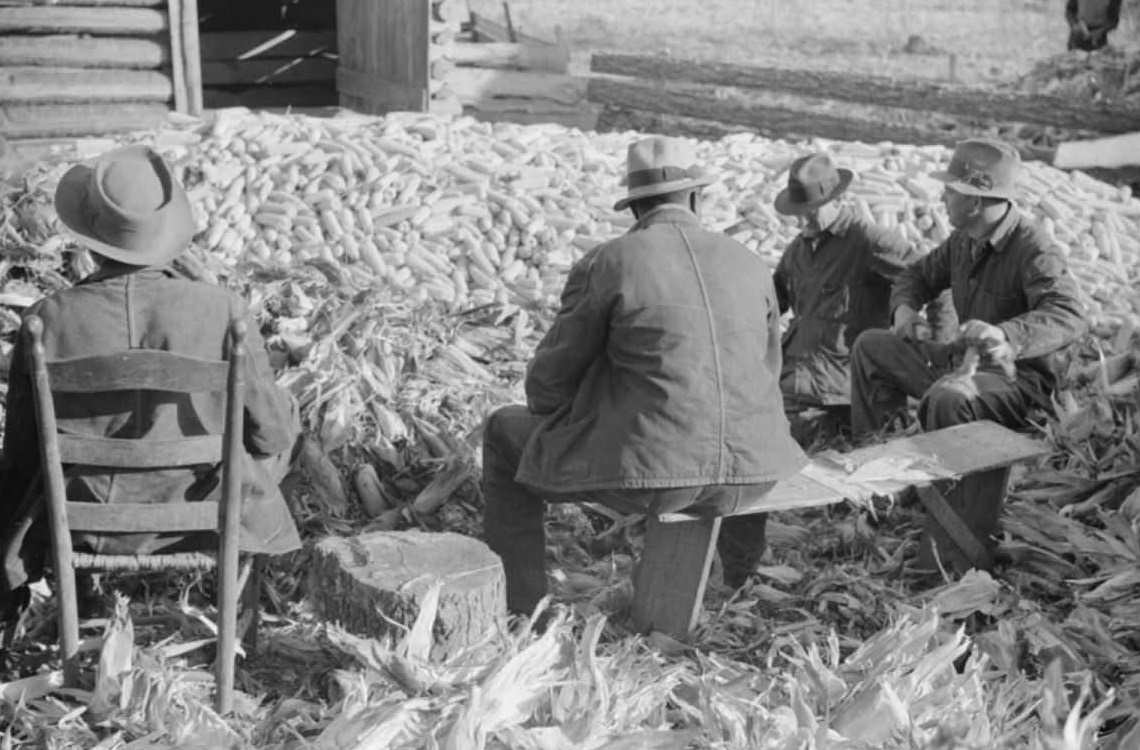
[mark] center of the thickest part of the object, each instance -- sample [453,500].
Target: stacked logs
[82,69]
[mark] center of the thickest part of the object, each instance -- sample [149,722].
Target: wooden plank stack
[267,54]
[86,67]
[491,70]
[269,68]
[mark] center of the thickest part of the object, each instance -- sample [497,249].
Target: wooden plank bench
[960,473]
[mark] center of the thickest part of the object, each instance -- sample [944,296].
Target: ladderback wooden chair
[142,370]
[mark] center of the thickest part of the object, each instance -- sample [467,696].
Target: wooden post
[177,62]
[513,37]
[669,583]
[55,491]
[953,67]
[960,528]
[192,58]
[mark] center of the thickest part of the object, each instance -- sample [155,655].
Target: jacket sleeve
[888,253]
[1113,14]
[576,338]
[783,283]
[923,280]
[21,461]
[1055,318]
[272,423]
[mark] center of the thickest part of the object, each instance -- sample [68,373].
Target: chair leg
[68,620]
[250,614]
[669,583]
[228,590]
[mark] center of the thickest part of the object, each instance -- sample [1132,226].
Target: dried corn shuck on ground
[403,269]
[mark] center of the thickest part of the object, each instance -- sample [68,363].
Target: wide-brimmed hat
[660,165]
[812,181]
[983,166]
[127,206]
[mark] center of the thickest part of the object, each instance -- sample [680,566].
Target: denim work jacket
[661,368]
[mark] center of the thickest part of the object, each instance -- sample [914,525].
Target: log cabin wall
[87,67]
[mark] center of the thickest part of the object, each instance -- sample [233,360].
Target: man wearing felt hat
[656,388]
[835,278]
[128,209]
[1010,285]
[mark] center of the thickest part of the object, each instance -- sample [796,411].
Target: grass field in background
[992,39]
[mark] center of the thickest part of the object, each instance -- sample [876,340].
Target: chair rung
[137,563]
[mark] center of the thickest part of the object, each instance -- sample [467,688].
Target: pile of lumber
[494,71]
[269,68]
[89,68]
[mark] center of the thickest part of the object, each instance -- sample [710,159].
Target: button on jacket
[661,367]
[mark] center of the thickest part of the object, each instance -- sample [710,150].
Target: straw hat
[660,165]
[127,206]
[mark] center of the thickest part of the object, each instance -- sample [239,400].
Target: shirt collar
[1002,232]
[666,213]
[838,227]
[103,274]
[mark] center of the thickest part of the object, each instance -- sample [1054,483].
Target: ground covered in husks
[402,270]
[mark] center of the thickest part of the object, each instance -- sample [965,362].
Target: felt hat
[812,181]
[658,165]
[127,206]
[985,167]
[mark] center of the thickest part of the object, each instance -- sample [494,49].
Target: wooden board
[669,583]
[300,70]
[43,19]
[84,52]
[953,452]
[488,30]
[35,84]
[917,95]
[114,3]
[383,49]
[261,97]
[506,55]
[474,85]
[244,45]
[25,121]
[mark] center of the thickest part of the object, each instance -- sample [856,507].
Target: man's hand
[998,350]
[909,325]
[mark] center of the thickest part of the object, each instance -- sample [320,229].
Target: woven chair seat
[140,563]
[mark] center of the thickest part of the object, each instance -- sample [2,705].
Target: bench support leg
[669,584]
[960,526]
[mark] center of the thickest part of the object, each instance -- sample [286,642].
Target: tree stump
[366,581]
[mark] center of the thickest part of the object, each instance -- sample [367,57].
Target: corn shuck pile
[402,270]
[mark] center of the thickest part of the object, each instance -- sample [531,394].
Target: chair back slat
[133,518]
[139,454]
[138,369]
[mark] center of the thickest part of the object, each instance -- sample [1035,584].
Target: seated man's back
[683,387]
[131,213]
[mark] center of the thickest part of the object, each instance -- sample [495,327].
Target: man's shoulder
[174,292]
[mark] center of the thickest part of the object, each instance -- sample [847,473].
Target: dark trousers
[1090,42]
[513,516]
[886,369]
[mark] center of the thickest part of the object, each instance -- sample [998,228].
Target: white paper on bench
[849,480]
